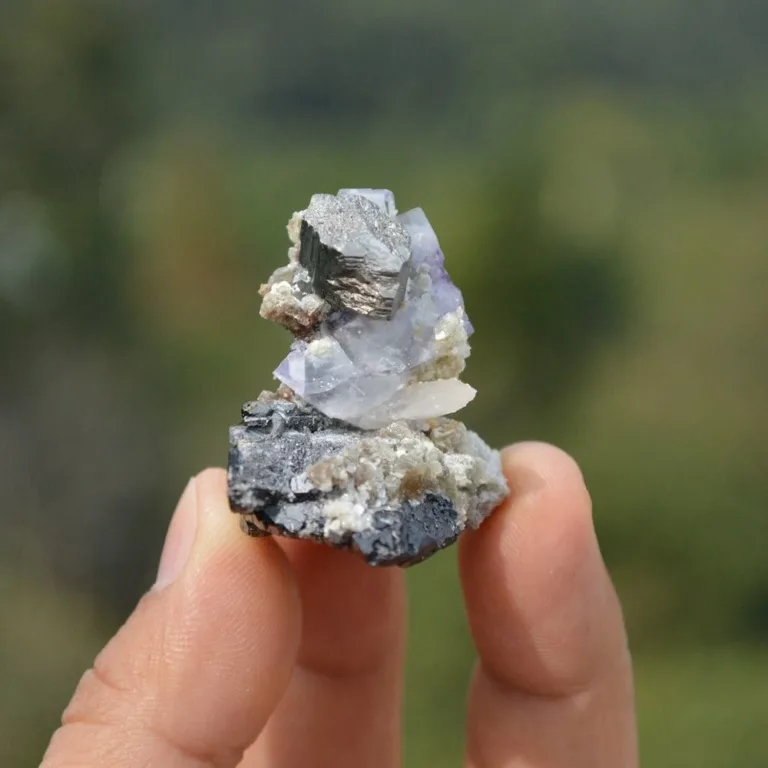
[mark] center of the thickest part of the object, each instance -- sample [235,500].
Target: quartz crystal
[354,449]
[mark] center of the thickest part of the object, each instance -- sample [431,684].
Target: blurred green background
[598,176]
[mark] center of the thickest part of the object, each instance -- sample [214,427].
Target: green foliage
[65,109]
[48,639]
[612,253]
[703,708]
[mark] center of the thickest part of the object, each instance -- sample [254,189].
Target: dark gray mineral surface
[295,472]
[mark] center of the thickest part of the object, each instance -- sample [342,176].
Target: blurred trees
[68,107]
[76,455]
[611,250]
[300,66]
[531,276]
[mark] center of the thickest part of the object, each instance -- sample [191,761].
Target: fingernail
[179,539]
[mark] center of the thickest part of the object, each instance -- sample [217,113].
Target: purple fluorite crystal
[425,250]
[367,367]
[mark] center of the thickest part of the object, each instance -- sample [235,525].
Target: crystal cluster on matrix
[388,336]
[355,448]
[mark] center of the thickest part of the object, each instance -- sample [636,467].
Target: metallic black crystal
[278,441]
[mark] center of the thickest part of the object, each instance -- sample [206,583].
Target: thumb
[193,675]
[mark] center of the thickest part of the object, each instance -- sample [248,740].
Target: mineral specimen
[355,253]
[354,449]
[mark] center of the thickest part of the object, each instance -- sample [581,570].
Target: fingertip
[203,662]
[352,614]
[532,467]
[535,585]
[222,549]
[179,538]
[247,579]
[546,518]
[212,499]
[345,695]
[213,476]
[547,625]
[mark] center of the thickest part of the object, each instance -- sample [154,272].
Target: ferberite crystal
[355,449]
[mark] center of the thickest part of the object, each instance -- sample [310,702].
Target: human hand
[269,653]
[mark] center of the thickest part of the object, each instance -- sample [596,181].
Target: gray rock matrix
[395,493]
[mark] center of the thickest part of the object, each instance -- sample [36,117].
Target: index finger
[553,686]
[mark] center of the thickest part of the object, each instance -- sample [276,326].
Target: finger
[553,686]
[343,704]
[193,675]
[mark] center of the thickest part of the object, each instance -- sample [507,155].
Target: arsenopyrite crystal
[355,449]
[356,254]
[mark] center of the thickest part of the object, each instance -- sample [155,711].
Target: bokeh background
[598,175]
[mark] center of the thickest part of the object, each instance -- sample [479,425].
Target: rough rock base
[395,495]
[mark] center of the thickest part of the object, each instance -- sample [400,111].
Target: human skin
[269,653]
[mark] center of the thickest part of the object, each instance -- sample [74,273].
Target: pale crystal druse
[354,449]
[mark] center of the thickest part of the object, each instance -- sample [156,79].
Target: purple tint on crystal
[339,318]
[316,368]
[391,346]
[426,251]
[292,370]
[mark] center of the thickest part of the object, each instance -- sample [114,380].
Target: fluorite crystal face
[382,330]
